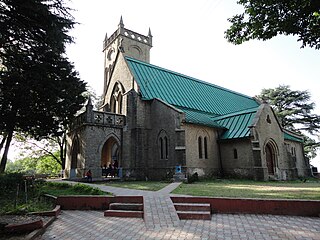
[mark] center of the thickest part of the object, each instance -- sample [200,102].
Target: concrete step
[126,206]
[203,215]
[192,207]
[123,213]
[127,199]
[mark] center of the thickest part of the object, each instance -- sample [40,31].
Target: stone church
[153,119]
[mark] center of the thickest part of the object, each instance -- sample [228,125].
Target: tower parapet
[130,43]
[124,32]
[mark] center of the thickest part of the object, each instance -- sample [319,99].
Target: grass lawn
[139,185]
[252,189]
[60,189]
[10,204]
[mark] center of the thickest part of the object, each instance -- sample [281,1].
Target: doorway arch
[75,153]
[271,161]
[110,152]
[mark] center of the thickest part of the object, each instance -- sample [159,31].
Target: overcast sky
[188,37]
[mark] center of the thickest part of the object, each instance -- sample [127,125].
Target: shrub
[81,188]
[194,177]
[9,182]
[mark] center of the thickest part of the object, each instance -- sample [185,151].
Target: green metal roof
[201,118]
[290,137]
[186,92]
[236,123]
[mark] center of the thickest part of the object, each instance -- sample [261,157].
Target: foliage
[58,189]
[13,203]
[294,111]
[193,178]
[264,20]
[14,199]
[252,189]
[45,164]
[39,89]
[139,185]
[8,182]
[293,108]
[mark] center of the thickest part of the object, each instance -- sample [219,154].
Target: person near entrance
[89,176]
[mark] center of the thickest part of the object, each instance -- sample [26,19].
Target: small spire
[121,25]
[106,37]
[149,33]
[89,103]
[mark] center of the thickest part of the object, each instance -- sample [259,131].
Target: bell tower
[128,42]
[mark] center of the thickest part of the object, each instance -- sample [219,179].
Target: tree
[44,164]
[39,89]
[264,20]
[294,111]
[293,108]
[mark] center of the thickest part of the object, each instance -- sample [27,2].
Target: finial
[121,25]
[149,34]
[106,37]
[89,103]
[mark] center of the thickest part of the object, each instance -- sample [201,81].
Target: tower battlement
[129,43]
[129,34]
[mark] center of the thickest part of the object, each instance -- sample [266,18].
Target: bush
[194,177]
[81,188]
[9,182]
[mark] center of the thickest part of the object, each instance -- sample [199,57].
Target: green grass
[35,203]
[252,189]
[60,189]
[139,185]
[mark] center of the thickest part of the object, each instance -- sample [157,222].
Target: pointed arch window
[235,153]
[166,147]
[161,148]
[205,148]
[200,146]
[163,142]
[116,99]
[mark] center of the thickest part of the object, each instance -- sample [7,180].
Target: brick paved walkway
[92,225]
[161,222]
[158,208]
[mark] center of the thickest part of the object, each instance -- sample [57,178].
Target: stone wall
[237,158]
[204,167]
[165,122]
[296,153]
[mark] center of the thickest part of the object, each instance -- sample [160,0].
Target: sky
[188,37]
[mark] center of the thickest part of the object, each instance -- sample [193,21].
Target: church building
[154,121]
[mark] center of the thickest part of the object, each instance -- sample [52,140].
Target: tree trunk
[6,150]
[3,140]
[63,151]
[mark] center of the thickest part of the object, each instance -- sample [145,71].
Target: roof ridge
[245,111]
[189,77]
[196,110]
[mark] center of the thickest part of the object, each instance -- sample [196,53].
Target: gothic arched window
[205,148]
[116,99]
[200,146]
[163,143]
[235,153]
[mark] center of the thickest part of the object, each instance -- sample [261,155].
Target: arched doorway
[75,151]
[110,152]
[270,158]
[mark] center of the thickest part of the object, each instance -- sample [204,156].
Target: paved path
[161,222]
[76,225]
[158,208]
